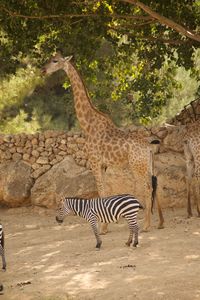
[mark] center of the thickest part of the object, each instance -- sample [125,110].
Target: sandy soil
[51,262]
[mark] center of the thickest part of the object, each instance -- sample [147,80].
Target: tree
[123,44]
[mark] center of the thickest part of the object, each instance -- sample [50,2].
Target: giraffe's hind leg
[197,194]
[103,228]
[198,199]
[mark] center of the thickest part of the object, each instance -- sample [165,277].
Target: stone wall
[42,150]
[54,163]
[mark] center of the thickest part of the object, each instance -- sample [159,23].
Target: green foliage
[25,107]
[15,87]
[20,124]
[136,69]
[53,106]
[182,94]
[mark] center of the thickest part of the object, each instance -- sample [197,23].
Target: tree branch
[153,39]
[165,21]
[15,14]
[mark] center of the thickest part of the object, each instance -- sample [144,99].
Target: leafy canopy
[135,68]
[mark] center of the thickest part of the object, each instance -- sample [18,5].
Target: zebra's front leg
[2,253]
[133,230]
[94,225]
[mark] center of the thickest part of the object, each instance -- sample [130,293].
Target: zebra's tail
[154,183]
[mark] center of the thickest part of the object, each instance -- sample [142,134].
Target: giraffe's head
[57,62]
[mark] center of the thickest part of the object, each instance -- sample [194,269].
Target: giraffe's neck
[89,117]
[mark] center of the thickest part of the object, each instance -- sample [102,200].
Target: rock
[119,180]
[16,156]
[35,153]
[34,141]
[41,170]
[171,170]
[26,156]
[15,184]
[42,160]
[64,178]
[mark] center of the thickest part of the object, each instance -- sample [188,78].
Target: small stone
[16,156]
[34,141]
[42,160]
[35,153]
[26,156]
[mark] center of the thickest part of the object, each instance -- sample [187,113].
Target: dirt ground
[59,262]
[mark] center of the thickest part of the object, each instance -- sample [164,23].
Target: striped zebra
[105,210]
[2,253]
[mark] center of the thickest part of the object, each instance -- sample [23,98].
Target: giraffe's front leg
[97,170]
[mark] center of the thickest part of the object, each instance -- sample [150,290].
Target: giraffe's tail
[154,182]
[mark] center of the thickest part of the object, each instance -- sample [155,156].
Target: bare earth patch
[46,261]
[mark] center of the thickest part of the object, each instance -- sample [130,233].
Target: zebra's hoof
[98,246]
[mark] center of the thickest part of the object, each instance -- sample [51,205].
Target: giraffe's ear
[68,58]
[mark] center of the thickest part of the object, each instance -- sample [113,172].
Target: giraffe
[106,144]
[189,136]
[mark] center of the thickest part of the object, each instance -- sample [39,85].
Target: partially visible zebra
[2,252]
[105,210]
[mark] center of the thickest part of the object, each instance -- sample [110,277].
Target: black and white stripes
[105,210]
[2,253]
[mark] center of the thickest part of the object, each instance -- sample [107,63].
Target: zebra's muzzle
[59,221]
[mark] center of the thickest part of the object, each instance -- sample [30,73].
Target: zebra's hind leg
[94,224]
[136,229]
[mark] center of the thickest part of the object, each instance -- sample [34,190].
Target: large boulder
[119,180]
[170,169]
[65,178]
[15,184]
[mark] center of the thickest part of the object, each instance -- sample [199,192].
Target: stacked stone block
[43,150]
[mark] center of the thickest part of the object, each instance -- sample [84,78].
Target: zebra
[2,252]
[106,210]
